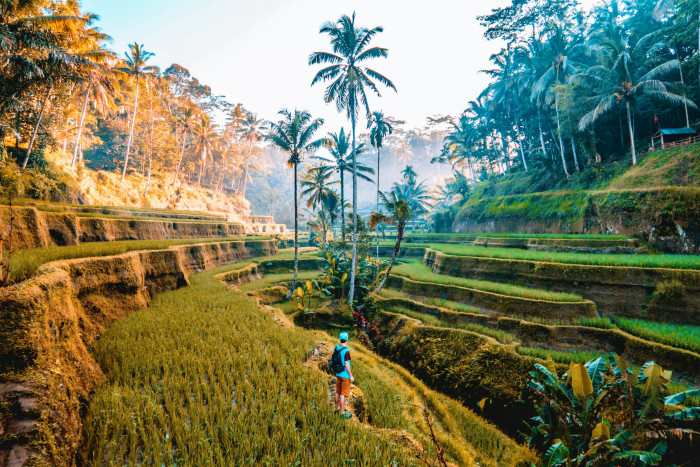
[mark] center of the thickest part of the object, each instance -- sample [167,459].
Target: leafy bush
[602,413]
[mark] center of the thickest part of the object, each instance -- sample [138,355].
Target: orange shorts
[342,386]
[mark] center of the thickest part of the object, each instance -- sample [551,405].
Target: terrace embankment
[462,364]
[564,244]
[50,322]
[665,217]
[616,290]
[507,305]
[566,337]
[36,229]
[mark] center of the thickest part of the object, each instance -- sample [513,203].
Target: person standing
[340,365]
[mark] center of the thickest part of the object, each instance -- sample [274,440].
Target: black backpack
[336,363]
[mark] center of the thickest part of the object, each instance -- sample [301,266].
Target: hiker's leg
[337,401]
[342,404]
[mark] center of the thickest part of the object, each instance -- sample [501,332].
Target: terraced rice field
[682,337]
[416,270]
[26,262]
[642,261]
[205,377]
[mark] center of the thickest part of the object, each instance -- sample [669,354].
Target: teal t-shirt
[344,357]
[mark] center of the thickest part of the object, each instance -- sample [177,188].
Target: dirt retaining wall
[497,303]
[616,291]
[35,229]
[634,349]
[49,323]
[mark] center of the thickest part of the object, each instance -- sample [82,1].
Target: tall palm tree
[316,187]
[205,138]
[97,84]
[379,128]
[183,122]
[251,132]
[135,66]
[626,72]
[559,53]
[341,162]
[294,134]
[350,82]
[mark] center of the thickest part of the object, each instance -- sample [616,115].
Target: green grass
[98,215]
[602,323]
[680,336]
[471,236]
[641,261]
[26,262]
[447,304]
[430,320]
[270,280]
[558,356]
[203,377]
[416,270]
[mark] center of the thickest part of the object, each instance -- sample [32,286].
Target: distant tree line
[572,88]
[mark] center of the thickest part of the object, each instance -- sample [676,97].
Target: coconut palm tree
[350,83]
[98,86]
[341,162]
[135,66]
[205,135]
[379,128]
[316,187]
[183,122]
[560,53]
[251,132]
[626,72]
[294,134]
[398,214]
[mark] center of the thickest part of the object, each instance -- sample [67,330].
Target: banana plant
[604,413]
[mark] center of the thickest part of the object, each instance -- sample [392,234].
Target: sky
[256,51]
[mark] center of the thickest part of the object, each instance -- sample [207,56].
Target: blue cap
[344,336]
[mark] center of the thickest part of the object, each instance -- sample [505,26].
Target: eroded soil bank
[50,322]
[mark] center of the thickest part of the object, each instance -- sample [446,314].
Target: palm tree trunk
[182,153]
[131,130]
[376,233]
[561,142]
[351,293]
[247,166]
[397,248]
[38,122]
[296,235]
[573,148]
[148,180]
[201,168]
[520,145]
[629,126]
[539,124]
[80,127]
[342,209]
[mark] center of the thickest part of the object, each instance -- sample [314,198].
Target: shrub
[603,413]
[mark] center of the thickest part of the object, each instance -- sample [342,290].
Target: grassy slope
[204,376]
[672,167]
[26,262]
[416,270]
[643,261]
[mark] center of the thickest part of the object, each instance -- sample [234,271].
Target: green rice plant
[625,260]
[270,280]
[450,305]
[467,237]
[576,356]
[435,321]
[26,262]
[676,335]
[602,323]
[203,377]
[416,270]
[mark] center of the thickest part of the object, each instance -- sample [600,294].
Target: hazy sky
[256,51]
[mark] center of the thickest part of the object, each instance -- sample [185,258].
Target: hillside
[653,201]
[58,182]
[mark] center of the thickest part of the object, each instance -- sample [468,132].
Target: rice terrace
[300,233]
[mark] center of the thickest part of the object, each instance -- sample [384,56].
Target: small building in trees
[671,137]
